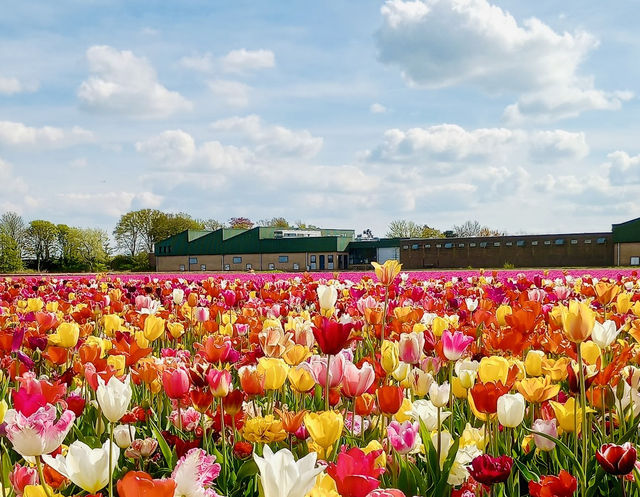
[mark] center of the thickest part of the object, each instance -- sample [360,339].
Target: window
[312,266]
[483,244]
[193,260]
[330,259]
[272,266]
[472,244]
[601,241]
[312,259]
[415,246]
[296,266]
[283,258]
[461,245]
[587,241]
[635,261]
[535,242]
[248,266]
[237,260]
[438,245]
[520,243]
[559,241]
[448,245]
[509,244]
[427,246]
[496,244]
[547,242]
[181,267]
[405,247]
[227,267]
[574,242]
[203,267]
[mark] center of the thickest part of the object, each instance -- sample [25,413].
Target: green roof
[380,243]
[627,232]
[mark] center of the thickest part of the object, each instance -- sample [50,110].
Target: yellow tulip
[567,414]
[296,354]
[38,491]
[381,460]
[590,352]
[3,409]
[493,368]
[105,345]
[141,341]
[111,323]
[555,368]
[458,390]
[325,486]
[390,356]
[474,436]
[324,427]
[401,415]
[578,321]
[387,272]
[623,303]
[533,362]
[153,327]
[501,313]
[35,304]
[66,335]
[175,329]
[537,390]
[438,325]
[300,379]
[274,370]
[265,429]
[117,362]
[636,308]
[419,328]
[52,306]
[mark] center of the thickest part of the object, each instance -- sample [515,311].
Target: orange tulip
[578,321]
[291,420]
[387,272]
[141,484]
[606,292]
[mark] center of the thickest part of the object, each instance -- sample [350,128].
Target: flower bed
[370,384]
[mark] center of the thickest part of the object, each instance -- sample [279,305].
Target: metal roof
[627,232]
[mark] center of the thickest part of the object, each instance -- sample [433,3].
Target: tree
[10,260]
[240,222]
[64,246]
[274,222]
[212,224]
[40,240]
[12,225]
[128,232]
[401,228]
[428,232]
[90,246]
[474,228]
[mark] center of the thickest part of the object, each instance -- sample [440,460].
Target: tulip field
[373,384]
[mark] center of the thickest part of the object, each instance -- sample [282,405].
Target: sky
[343,114]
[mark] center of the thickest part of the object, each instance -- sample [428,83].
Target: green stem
[451,398]
[4,492]
[384,314]
[46,489]
[110,459]
[439,436]
[583,406]
[224,445]
[326,385]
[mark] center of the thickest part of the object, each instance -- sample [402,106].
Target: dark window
[601,241]
[227,267]
[559,241]
[461,245]
[237,260]
[312,259]
[181,267]
[587,241]
[272,265]
[574,242]
[405,247]
[330,259]
[248,266]
[535,242]
[438,245]
[520,243]
[483,244]
[496,244]
[427,246]
[509,244]
[193,260]
[283,258]
[547,242]
[472,244]
[296,266]
[448,245]
[415,246]
[203,267]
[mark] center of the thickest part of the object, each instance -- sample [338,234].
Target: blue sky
[343,114]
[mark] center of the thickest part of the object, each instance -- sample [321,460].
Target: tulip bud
[548,428]
[124,435]
[439,394]
[511,410]
[533,362]
[390,356]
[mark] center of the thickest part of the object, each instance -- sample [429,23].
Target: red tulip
[355,472]
[332,336]
[617,459]
[485,396]
[175,383]
[563,485]
[489,470]
[76,404]
[390,399]
[141,484]
[232,403]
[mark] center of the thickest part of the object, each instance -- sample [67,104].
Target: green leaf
[564,449]
[164,447]
[248,469]
[446,469]
[527,473]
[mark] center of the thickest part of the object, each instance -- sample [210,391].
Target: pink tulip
[219,382]
[21,476]
[455,344]
[38,433]
[175,382]
[356,381]
[410,347]
[387,492]
[317,366]
[201,314]
[188,421]
[548,428]
[143,302]
[403,436]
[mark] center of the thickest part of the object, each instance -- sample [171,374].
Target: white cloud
[272,140]
[623,168]
[443,147]
[122,83]
[442,43]
[17,134]
[113,204]
[242,60]
[198,62]
[171,147]
[232,93]
[377,108]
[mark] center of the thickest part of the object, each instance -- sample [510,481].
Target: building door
[321,262]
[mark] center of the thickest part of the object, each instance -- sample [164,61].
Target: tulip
[177,296]
[275,372]
[176,330]
[548,428]
[488,470]
[153,327]
[420,382]
[141,484]
[296,354]
[251,380]
[185,419]
[232,403]
[410,347]
[623,303]
[317,366]
[355,472]
[604,334]
[493,368]
[124,435]
[332,336]
[175,382]
[327,297]
[219,382]
[356,381]
[455,344]
[501,313]
[21,476]
[426,412]
[390,356]
[606,292]
[511,410]
[282,476]
[114,397]
[111,324]
[563,485]
[301,379]
[618,460]
[194,474]
[567,413]
[38,433]
[387,272]
[142,449]
[537,390]
[66,335]
[533,362]
[265,429]
[578,321]
[325,427]
[404,437]
[439,394]
[439,325]
[87,468]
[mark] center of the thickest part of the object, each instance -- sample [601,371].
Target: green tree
[10,259]
[90,247]
[64,247]
[428,232]
[402,228]
[40,240]
[274,222]
[12,225]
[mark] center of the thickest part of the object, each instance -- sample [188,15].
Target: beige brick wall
[625,251]
[171,262]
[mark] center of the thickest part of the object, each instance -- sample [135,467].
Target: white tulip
[511,409]
[439,394]
[604,334]
[425,410]
[282,476]
[86,467]
[114,397]
[327,295]
[177,296]
[472,304]
[124,435]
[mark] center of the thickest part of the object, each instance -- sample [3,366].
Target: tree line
[402,228]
